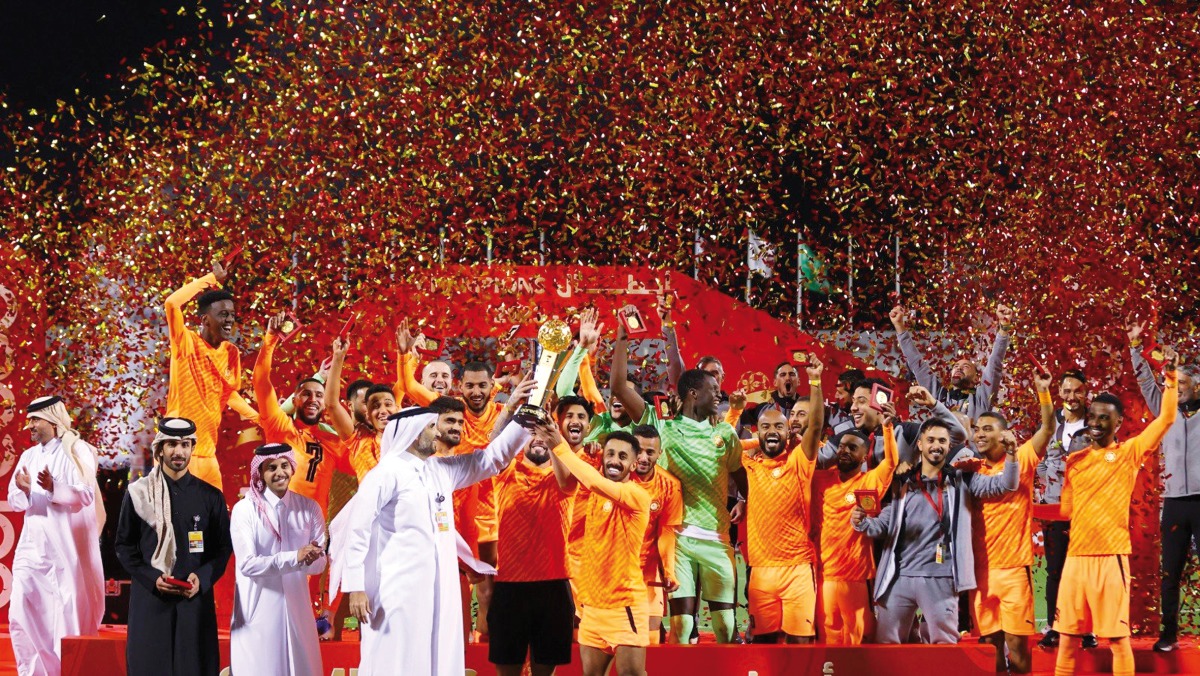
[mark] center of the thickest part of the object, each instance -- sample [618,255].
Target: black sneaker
[1089,641]
[1165,644]
[1049,640]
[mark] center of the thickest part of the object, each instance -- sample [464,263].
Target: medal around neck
[554,336]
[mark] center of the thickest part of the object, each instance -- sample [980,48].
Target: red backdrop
[22,350]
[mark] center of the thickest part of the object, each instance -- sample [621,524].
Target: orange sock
[1064,665]
[1122,658]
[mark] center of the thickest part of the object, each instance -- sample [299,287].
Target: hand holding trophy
[554,336]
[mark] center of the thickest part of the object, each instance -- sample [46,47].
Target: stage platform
[104,655]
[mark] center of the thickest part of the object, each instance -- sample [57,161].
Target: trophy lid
[554,335]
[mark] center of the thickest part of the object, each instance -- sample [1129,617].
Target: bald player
[1002,536]
[783,590]
[1099,484]
[666,514]
[206,369]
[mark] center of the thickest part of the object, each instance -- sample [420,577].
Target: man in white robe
[278,542]
[58,581]
[398,550]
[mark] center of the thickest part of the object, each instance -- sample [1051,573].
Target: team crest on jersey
[718,441]
[1110,457]
[607,506]
[777,472]
[848,499]
[654,505]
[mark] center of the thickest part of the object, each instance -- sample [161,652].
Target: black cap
[272,449]
[176,427]
[42,403]
[409,412]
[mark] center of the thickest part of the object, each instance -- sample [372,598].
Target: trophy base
[531,415]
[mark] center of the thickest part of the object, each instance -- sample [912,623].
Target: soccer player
[927,559]
[837,412]
[666,514]
[279,541]
[969,391]
[783,590]
[173,527]
[703,457]
[206,369]
[1068,437]
[615,624]
[532,612]
[316,449]
[362,442]
[57,579]
[783,397]
[870,420]
[1181,481]
[847,565]
[1099,483]
[1002,532]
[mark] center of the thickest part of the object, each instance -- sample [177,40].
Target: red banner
[22,352]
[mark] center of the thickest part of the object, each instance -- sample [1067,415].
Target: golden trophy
[554,336]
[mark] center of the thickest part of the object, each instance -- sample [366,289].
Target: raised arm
[624,493]
[405,340]
[916,362]
[339,417]
[589,336]
[1152,436]
[1142,369]
[588,387]
[816,409]
[993,371]
[176,323]
[1043,435]
[674,359]
[470,468]
[993,486]
[621,389]
[271,414]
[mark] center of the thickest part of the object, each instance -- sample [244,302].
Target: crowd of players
[617,513]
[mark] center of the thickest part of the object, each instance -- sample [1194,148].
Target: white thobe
[58,580]
[401,549]
[274,628]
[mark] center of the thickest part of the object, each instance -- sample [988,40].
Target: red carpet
[105,656]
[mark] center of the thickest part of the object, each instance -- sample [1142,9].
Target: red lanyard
[939,508]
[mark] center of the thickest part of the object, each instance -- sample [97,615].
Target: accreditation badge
[443,521]
[196,541]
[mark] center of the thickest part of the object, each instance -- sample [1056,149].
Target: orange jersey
[317,450]
[579,513]
[362,451]
[666,513]
[1002,527]
[617,516]
[777,509]
[204,379]
[532,514]
[1098,485]
[846,553]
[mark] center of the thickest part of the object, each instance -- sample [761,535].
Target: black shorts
[531,617]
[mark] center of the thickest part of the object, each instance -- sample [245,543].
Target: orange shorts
[1093,596]
[606,628]
[656,597]
[783,598]
[206,468]
[1003,601]
[848,618]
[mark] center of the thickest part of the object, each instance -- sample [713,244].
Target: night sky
[49,49]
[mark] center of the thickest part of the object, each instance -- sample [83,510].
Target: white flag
[761,256]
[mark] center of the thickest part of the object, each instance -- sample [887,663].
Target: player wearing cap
[206,369]
[173,538]
[57,580]
[279,537]
[1099,483]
